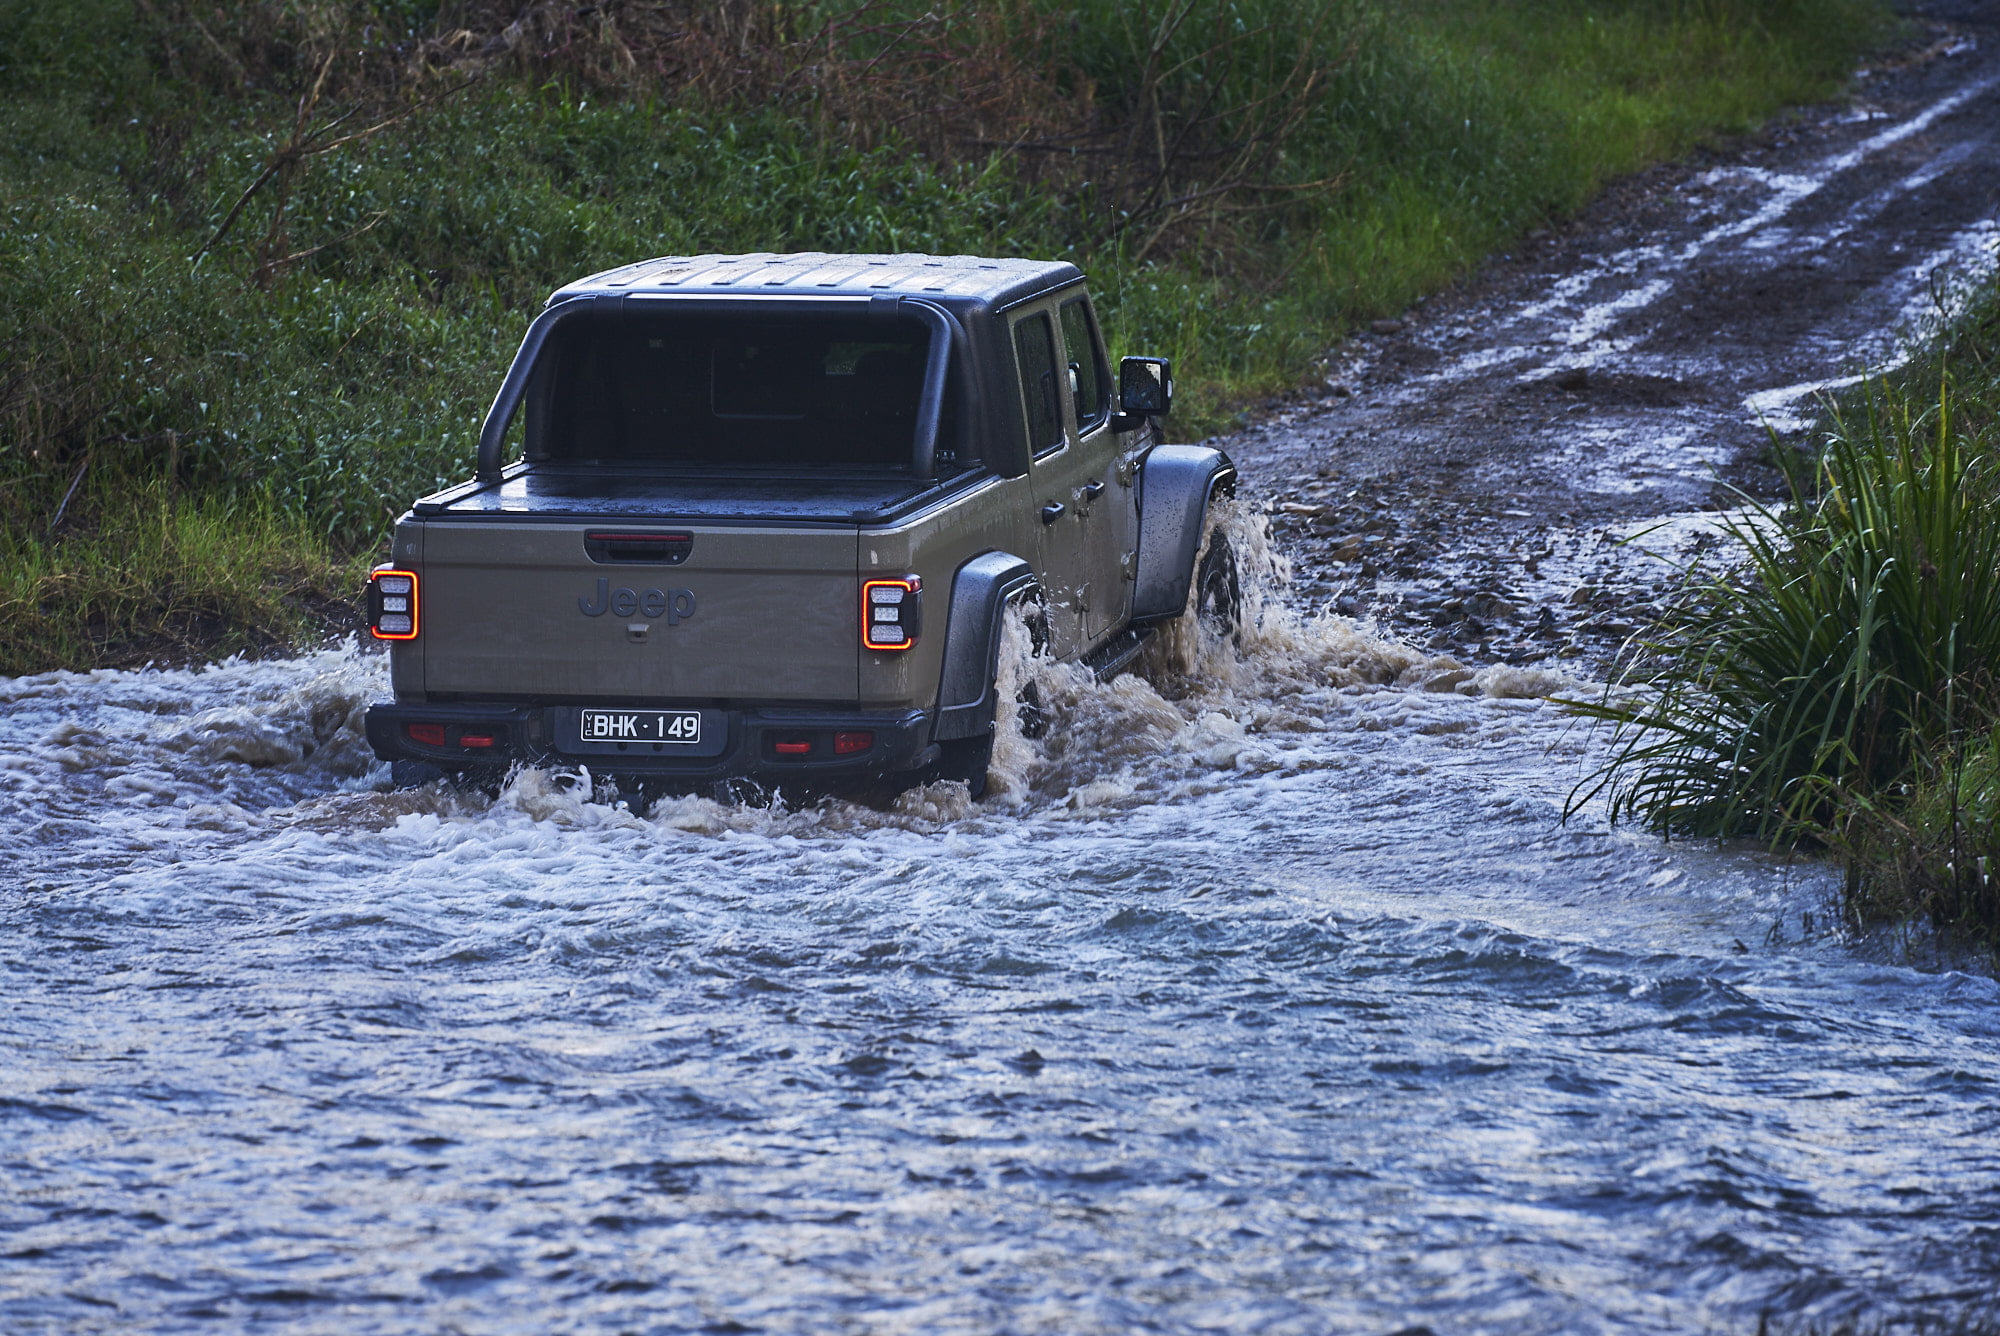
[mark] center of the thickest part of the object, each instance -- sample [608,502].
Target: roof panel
[808,272]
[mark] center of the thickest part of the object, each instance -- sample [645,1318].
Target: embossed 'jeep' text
[676,605]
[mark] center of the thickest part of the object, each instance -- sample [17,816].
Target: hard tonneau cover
[531,492]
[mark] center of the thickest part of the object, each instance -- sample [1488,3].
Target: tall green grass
[1860,630]
[1832,678]
[330,388]
[221,576]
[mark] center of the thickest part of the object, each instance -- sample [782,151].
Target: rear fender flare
[1176,483]
[980,593]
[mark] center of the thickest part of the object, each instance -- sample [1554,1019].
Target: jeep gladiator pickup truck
[761,516]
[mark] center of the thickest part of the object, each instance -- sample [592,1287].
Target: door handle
[1053,511]
[1093,489]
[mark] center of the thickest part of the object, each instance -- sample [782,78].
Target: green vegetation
[1833,681]
[222,574]
[267,258]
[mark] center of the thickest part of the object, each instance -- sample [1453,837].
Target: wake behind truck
[764,516]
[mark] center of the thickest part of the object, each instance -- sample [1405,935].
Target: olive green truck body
[765,514]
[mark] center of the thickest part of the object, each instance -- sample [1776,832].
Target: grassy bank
[221,575]
[268,260]
[1832,681]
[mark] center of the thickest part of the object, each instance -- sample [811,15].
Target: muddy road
[1266,993]
[1469,473]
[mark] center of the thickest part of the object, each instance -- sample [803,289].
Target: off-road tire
[414,774]
[1218,588]
[485,780]
[967,760]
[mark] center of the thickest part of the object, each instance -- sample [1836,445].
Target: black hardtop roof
[952,280]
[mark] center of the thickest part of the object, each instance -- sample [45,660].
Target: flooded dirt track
[1267,993]
[1296,1012]
[1469,472]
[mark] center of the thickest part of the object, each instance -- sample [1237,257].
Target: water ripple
[1260,1028]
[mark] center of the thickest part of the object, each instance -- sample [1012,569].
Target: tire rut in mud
[1509,472]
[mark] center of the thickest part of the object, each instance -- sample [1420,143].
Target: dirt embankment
[1488,474]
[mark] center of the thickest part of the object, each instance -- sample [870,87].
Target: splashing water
[1263,992]
[1207,699]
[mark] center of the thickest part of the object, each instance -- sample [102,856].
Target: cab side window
[1087,376]
[1035,353]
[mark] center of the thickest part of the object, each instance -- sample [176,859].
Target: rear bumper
[504,735]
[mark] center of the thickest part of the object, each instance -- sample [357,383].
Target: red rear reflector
[848,744]
[431,735]
[475,739]
[792,748]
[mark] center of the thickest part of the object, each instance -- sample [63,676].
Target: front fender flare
[1175,485]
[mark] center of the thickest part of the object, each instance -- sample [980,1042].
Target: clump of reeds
[175,578]
[1834,681]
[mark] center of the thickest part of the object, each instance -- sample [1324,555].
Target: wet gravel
[1473,475]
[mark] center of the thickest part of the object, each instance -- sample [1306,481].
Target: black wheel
[742,792]
[488,780]
[965,759]
[413,774]
[1038,629]
[1218,589]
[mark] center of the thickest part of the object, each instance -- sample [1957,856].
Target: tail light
[892,613]
[392,604]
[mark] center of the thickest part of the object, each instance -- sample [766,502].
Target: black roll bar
[937,367]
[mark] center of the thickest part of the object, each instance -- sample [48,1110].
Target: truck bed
[537,491]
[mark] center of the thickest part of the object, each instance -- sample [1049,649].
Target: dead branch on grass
[1192,145]
[1188,147]
[288,161]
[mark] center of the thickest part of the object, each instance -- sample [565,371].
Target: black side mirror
[1145,386]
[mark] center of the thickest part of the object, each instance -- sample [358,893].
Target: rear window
[734,393]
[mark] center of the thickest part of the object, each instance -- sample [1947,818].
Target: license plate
[681,726]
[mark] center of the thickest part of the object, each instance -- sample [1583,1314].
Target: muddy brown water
[1266,993]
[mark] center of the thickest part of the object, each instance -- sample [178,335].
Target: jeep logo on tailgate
[676,605]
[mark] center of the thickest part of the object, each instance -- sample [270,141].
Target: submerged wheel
[965,759]
[969,759]
[484,779]
[1031,717]
[742,792]
[1218,589]
[413,774]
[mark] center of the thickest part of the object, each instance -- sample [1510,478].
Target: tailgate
[560,611]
